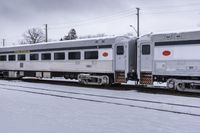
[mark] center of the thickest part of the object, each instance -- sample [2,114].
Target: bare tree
[34,35]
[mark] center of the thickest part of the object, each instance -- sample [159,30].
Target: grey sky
[96,16]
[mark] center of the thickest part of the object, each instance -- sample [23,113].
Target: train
[171,58]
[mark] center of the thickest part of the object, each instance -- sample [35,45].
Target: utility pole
[138,22]
[4,40]
[46,33]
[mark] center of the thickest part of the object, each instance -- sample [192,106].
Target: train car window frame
[34,57]
[76,55]
[91,55]
[120,50]
[3,58]
[21,57]
[146,49]
[59,56]
[47,58]
[12,57]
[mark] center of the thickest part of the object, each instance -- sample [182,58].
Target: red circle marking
[105,54]
[166,53]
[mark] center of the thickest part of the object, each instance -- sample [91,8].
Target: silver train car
[99,61]
[173,58]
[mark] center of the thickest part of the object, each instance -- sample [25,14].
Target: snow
[22,112]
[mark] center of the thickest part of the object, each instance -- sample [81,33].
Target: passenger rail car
[91,61]
[173,58]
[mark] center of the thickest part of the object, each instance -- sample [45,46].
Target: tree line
[36,35]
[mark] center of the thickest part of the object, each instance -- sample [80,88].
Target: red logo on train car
[166,53]
[105,54]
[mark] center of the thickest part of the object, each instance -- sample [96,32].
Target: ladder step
[146,79]
[120,77]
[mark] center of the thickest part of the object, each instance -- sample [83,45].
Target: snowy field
[44,108]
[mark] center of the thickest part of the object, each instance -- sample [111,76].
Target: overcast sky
[111,17]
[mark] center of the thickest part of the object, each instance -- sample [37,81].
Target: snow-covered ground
[23,112]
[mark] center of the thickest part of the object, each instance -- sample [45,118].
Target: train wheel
[180,86]
[171,84]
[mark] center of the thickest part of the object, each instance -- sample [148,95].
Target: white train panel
[178,68]
[177,56]
[105,54]
[105,66]
[179,60]
[177,52]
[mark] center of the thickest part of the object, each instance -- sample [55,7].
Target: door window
[146,49]
[120,50]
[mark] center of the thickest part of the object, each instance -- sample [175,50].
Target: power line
[170,6]
[122,12]
[169,12]
[91,23]
[113,18]
[125,13]
[119,13]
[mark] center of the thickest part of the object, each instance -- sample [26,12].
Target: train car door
[120,63]
[146,58]
[120,58]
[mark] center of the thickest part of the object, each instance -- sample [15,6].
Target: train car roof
[69,44]
[173,36]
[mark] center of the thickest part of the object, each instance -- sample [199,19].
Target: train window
[34,56]
[74,55]
[120,50]
[145,49]
[59,56]
[3,58]
[11,57]
[91,55]
[46,56]
[21,57]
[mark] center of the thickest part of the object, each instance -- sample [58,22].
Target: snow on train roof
[68,43]
[172,36]
[64,41]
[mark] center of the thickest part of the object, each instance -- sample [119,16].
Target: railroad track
[121,101]
[124,87]
[102,96]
